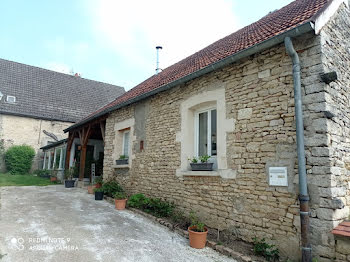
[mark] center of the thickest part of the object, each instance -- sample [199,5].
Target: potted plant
[98,182]
[197,232]
[91,189]
[98,193]
[201,163]
[68,177]
[123,160]
[120,200]
[53,176]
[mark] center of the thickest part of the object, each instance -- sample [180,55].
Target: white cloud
[132,29]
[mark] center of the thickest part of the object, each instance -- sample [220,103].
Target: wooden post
[69,147]
[82,162]
[84,138]
[102,127]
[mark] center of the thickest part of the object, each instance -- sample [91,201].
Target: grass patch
[23,180]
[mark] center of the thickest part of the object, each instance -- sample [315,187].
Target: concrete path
[57,224]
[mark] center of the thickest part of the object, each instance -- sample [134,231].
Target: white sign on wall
[93,169]
[278,176]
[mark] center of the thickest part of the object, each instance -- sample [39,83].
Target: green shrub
[261,248]
[98,190]
[137,201]
[19,159]
[42,173]
[111,187]
[154,206]
[120,195]
[158,207]
[195,222]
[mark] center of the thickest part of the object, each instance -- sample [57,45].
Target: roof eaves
[35,116]
[294,32]
[54,144]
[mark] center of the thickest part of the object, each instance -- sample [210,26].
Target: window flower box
[201,166]
[122,161]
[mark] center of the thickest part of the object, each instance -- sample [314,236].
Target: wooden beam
[84,138]
[82,162]
[68,149]
[102,126]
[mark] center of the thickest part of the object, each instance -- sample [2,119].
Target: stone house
[37,104]
[235,100]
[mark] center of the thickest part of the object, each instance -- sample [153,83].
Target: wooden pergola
[91,130]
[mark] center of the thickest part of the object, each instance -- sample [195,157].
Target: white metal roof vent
[11,99]
[1,95]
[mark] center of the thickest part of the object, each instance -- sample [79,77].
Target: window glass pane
[203,134]
[213,132]
[126,144]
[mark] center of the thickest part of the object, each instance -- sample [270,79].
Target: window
[126,143]
[206,135]
[11,99]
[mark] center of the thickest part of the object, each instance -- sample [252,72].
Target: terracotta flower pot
[90,189]
[120,204]
[197,239]
[53,179]
[98,185]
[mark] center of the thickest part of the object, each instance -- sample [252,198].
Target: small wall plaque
[278,176]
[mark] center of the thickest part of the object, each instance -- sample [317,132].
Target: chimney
[77,75]
[157,68]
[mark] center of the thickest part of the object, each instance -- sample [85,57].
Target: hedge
[19,159]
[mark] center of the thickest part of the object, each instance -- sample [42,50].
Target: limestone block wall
[334,201]
[259,99]
[17,130]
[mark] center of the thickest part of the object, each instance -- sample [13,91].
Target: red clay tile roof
[273,24]
[342,230]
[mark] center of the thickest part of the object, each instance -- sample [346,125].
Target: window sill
[224,173]
[120,166]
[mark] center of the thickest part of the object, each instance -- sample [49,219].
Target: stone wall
[334,201]
[259,98]
[17,130]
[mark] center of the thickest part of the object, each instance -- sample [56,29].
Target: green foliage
[158,207]
[137,201]
[123,157]
[202,159]
[120,195]
[54,173]
[23,180]
[98,180]
[98,190]
[269,252]
[19,159]
[154,206]
[2,148]
[42,173]
[195,222]
[111,187]
[193,160]
[69,173]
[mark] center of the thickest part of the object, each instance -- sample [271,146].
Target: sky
[114,41]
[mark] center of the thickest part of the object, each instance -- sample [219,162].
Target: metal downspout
[303,193]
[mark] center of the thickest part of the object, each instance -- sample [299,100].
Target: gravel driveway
[57,224]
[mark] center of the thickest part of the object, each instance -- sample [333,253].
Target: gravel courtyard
[53,223]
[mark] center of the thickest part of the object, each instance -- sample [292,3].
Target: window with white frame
[205,132]
[126,136]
